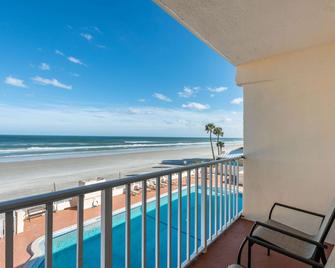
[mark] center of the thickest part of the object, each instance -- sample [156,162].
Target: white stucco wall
[289,132]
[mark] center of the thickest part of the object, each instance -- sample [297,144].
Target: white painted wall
[289,132]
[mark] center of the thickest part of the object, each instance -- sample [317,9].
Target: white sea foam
[91,148]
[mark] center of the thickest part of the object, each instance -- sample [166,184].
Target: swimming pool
[64,243]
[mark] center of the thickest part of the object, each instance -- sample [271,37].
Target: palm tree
[221,146]
[219,133]
[210,128]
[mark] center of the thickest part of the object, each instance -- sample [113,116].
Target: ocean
[29,147]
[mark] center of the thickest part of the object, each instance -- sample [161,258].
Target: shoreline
[38,176]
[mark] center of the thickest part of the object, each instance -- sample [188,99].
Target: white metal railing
[224,173]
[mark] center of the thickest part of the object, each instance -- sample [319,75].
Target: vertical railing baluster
[216,200]
[48,234]
[230,193]
[127,232]
[157,240]
[9,243]
[144,223]
[210,201]
[188,214]
[221,194]
[80,231]
[204,208]
[169,220]
[234,190]
[237,186]
[179,260]
[196,210]
[225,194]
[106,228]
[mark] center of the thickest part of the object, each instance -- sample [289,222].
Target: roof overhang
[244,30]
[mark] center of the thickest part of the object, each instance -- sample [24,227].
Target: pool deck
[34,228]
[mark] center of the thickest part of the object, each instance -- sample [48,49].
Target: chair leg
[240,251]
[323,257]
[317,258]
[249,253]
[268,252]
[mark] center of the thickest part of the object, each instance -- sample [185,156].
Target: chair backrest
[326,224]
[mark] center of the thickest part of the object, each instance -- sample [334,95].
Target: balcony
[168,220]
[285,64]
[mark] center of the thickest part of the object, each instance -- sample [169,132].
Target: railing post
[180,181]
[169,220]
[188,213]
[157,226]
[210,202]
[144,223]
[80,230]
[9,232]
[127,226]
[216,200]
[204,208]
[48,234]
[106,228]
[237,186]
[221,195]
[230,194]
[225,195]
[196,210]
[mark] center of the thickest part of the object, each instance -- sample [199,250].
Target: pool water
[64,246]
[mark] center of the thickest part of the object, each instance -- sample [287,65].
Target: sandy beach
[37,176]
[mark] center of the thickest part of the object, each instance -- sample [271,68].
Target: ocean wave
[37,149]
[138,142]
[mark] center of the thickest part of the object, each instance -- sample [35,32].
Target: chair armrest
[273,228]
[296,209]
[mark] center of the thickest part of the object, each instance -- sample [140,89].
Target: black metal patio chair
[290,241]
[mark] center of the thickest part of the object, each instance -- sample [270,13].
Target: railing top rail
[35,200]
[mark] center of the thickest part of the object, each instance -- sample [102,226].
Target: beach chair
[152,184]
[164,181]
[36,211]
[135,189]
[289,241]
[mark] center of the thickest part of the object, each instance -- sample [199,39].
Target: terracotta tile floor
[224,250]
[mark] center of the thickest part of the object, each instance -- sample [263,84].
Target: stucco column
[289,133]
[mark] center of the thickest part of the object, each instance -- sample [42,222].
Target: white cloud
[196,106]
[58,52]
[188,92]
[237,101]
[161,97]
[217,89]
[97,29]
[141,100]
[44,66]
[15,82]
[144,121]
[50,82]
[134,111]
[75,60]
[101,46]
[86,36]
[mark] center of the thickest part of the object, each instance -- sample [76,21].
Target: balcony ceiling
[244,30]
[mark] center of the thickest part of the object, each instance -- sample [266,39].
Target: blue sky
[110,68]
